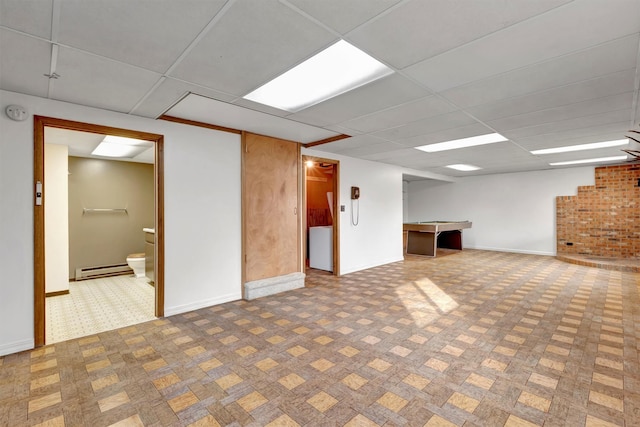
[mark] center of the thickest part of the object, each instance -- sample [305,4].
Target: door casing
[336,209]
[39,124]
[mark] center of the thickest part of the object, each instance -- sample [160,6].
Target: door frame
[336,209]
[39,124]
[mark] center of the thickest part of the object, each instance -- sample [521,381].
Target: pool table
[424,237]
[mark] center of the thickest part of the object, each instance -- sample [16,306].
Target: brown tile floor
[476,339]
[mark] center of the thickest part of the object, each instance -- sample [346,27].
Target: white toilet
[136,262]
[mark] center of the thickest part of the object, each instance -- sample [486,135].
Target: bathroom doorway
[322,218]
[49,127]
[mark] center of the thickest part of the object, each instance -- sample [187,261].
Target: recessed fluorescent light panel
[338,69]
[117,146]
[464,168]
[489,138]
[600,159]
[581,147]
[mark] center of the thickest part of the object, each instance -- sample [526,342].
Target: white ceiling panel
[206,110]
[28,59]
[565,112]
[378,95]
[579,25]
[437,26]
[593,89]
[29,16]
[92,80]
[576,124]
[171,91]
[384,147]
[426,126]
[399,115]
[351,143]
[342,16]
[148,33]
[583,135]
[600,60]
[253,42]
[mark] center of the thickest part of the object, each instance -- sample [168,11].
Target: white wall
[510,212]
[377,239]
[202,212]
[56,218]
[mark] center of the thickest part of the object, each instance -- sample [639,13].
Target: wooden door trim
[336,209]
[39,123]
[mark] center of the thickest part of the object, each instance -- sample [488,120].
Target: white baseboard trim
[515,251]
[344,271]
[16,346]
[184,308]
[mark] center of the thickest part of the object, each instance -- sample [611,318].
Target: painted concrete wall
[202,212]
[510,212]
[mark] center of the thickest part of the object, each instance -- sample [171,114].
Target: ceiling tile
[530,41]
[598,61]
[149,34]
[206,110]
[401,114]
[30,60]
[577,124]
[340,15]
[29,16]
[426,126]
[171,91]
[254,42]
[383,147]
[583,135]
[592,89]
[92,80]
[565,112]
[351,143]
[437,26]
[379,95]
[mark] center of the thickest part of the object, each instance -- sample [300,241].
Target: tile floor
[473,339]
[98,305]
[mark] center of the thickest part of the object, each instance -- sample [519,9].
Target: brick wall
[602,220]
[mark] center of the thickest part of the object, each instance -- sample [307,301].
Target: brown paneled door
[271,207]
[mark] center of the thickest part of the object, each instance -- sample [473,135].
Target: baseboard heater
[102,271]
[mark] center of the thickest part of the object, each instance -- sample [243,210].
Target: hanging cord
[357,218]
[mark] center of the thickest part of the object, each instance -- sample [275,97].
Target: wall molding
[185,308]
[16,346]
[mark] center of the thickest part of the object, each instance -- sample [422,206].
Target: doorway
[322,214]
[40,269]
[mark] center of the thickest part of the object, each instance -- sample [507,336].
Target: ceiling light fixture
[338,69]
[600,159]
[581,147]
[463,167]
[489,138]
[118,146]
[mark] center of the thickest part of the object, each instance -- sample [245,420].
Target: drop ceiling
[543,73]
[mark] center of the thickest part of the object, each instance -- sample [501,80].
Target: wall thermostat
[16,112]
